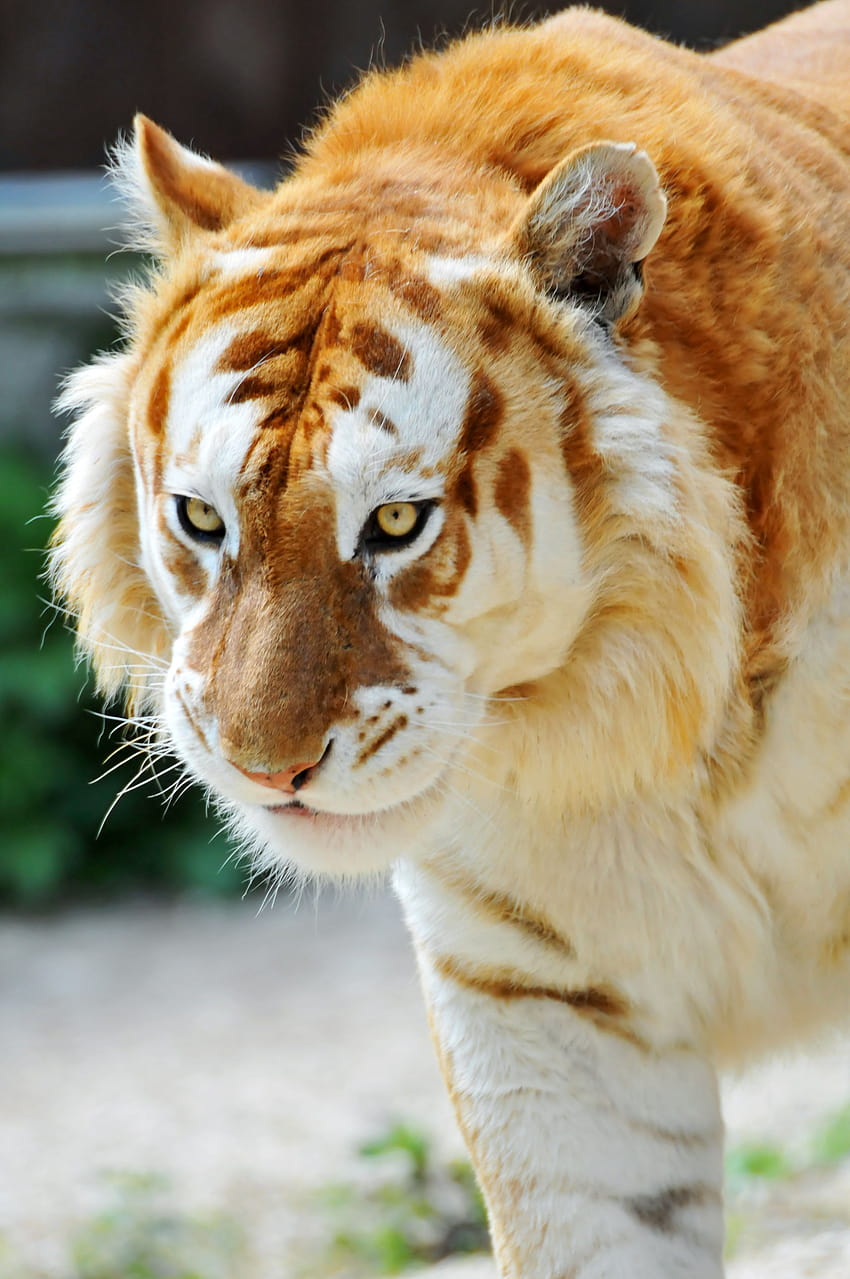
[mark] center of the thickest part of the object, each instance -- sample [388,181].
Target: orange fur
[577,300]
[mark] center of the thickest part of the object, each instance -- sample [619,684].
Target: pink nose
[289,780]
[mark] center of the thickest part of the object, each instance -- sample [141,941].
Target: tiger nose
[289,780]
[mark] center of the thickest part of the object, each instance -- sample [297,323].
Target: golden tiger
[478,504]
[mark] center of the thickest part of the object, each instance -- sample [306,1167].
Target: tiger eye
[396,519]
[202,516]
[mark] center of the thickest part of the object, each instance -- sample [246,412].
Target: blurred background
[239,79]
[188,1091]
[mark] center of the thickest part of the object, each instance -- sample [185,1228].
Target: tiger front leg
[599,1157]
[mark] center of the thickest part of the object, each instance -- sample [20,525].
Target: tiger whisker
[138,780]
[264,359]
[445,785]
[113,642]
[127,759]
[178,790]
[453,765]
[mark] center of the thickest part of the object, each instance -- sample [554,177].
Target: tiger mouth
[295,809]
[359,817]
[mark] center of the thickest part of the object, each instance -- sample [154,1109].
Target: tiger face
[358,485]
[356,527]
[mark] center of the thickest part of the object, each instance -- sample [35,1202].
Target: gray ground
[246,1055]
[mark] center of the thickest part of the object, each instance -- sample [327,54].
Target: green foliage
[763,1178]
[407,1141]
[831,1142]
[52,746]
[140,1237]
[763,1161]
[413,1210]
[769,1162]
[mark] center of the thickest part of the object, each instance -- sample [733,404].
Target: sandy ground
[245,1056]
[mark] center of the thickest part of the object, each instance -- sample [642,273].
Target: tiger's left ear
[590,223]
[174,193]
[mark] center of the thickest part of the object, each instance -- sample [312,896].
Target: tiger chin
[477,504]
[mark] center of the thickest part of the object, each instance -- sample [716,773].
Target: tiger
[475,507]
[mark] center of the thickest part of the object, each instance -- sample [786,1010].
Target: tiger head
[376,477]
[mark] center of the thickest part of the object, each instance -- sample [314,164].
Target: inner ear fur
[590,223]
[177,194]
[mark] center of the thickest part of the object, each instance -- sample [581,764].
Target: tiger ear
[588,226]
[174,193]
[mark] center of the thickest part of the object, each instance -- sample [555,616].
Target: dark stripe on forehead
[417,294]
[251,388]
[332,327]
[381,353]
[249,350]
[269,287]
[495,331]
[282,436]
[484,412]
[347,397]
[273,471]
[287,234]
[283,366]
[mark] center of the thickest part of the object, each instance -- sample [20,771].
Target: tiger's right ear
[175,194]
[587,228]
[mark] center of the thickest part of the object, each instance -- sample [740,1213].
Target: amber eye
[394,525]
[199,520]
[396,519]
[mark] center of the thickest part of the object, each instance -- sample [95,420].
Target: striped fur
[515,424]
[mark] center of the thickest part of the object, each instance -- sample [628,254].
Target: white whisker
[454,766]
[258,364]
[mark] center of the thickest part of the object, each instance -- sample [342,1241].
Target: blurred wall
[239,78]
